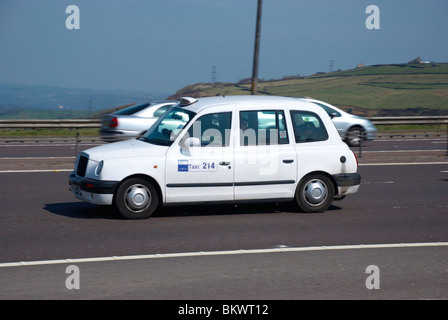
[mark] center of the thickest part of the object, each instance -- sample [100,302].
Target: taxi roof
[198,104]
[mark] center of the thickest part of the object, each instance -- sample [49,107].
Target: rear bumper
[347,183]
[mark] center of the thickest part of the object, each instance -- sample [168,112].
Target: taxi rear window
[308,127]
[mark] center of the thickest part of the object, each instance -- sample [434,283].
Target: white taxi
[222,149]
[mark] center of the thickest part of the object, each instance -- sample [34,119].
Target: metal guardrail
[45,124]
[96,123]
[431,120]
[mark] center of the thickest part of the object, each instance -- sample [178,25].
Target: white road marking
[378,182]
[277,249]
[403,151]
[15,144]
[400,163]
[36,158]
[421,207]
[440,138]
[37,170]
[361,165]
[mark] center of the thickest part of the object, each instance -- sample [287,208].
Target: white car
[350,127]
[222,149]
[133,121]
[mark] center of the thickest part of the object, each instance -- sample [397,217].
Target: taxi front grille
[82,166]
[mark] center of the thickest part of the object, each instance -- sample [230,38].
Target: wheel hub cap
[137,198]
[315,192]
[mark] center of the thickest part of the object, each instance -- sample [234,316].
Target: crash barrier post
[77,144]
[361,140]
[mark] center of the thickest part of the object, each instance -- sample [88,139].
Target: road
[397,222]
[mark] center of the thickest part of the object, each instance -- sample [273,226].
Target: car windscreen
[131,110]
[168,127]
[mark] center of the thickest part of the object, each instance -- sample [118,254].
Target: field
[419,89]
[382,90]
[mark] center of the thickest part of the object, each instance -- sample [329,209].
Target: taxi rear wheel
[315,193]
[136,198]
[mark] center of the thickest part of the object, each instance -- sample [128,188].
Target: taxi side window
[213,130]
[308,127]
[267,127]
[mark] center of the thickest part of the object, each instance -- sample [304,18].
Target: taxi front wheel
[136,199]
[315,193]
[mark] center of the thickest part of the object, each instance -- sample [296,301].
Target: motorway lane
[403,273]
[38,157]
[396,204]
[42,220]
[60,156]
[24,150]
[402,145]
[68,149]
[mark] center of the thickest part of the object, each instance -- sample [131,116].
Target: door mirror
[191,142]
[334,115]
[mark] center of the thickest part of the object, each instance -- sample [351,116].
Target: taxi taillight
[357,164]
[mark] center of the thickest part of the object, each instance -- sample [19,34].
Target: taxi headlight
[99,167]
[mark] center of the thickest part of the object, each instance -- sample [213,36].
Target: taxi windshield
[168,127]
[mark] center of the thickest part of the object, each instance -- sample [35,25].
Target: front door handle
[224,163]
[288,161]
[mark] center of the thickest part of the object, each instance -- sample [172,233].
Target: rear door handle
[288,161]
[224,163]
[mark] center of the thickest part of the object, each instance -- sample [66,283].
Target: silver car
[132,121]
[351,128]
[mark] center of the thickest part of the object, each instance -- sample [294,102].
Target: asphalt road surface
[388,241]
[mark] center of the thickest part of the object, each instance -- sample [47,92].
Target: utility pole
[256,50]
[213,74]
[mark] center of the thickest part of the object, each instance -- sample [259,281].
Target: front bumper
[347,183]
[92,191]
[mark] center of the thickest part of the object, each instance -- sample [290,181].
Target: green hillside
[380,90]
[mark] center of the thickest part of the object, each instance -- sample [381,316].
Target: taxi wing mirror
[191,143]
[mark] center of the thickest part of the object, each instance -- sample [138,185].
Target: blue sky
[163,45]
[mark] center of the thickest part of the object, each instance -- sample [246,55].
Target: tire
[315,193]
[136,198]
[354,136]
